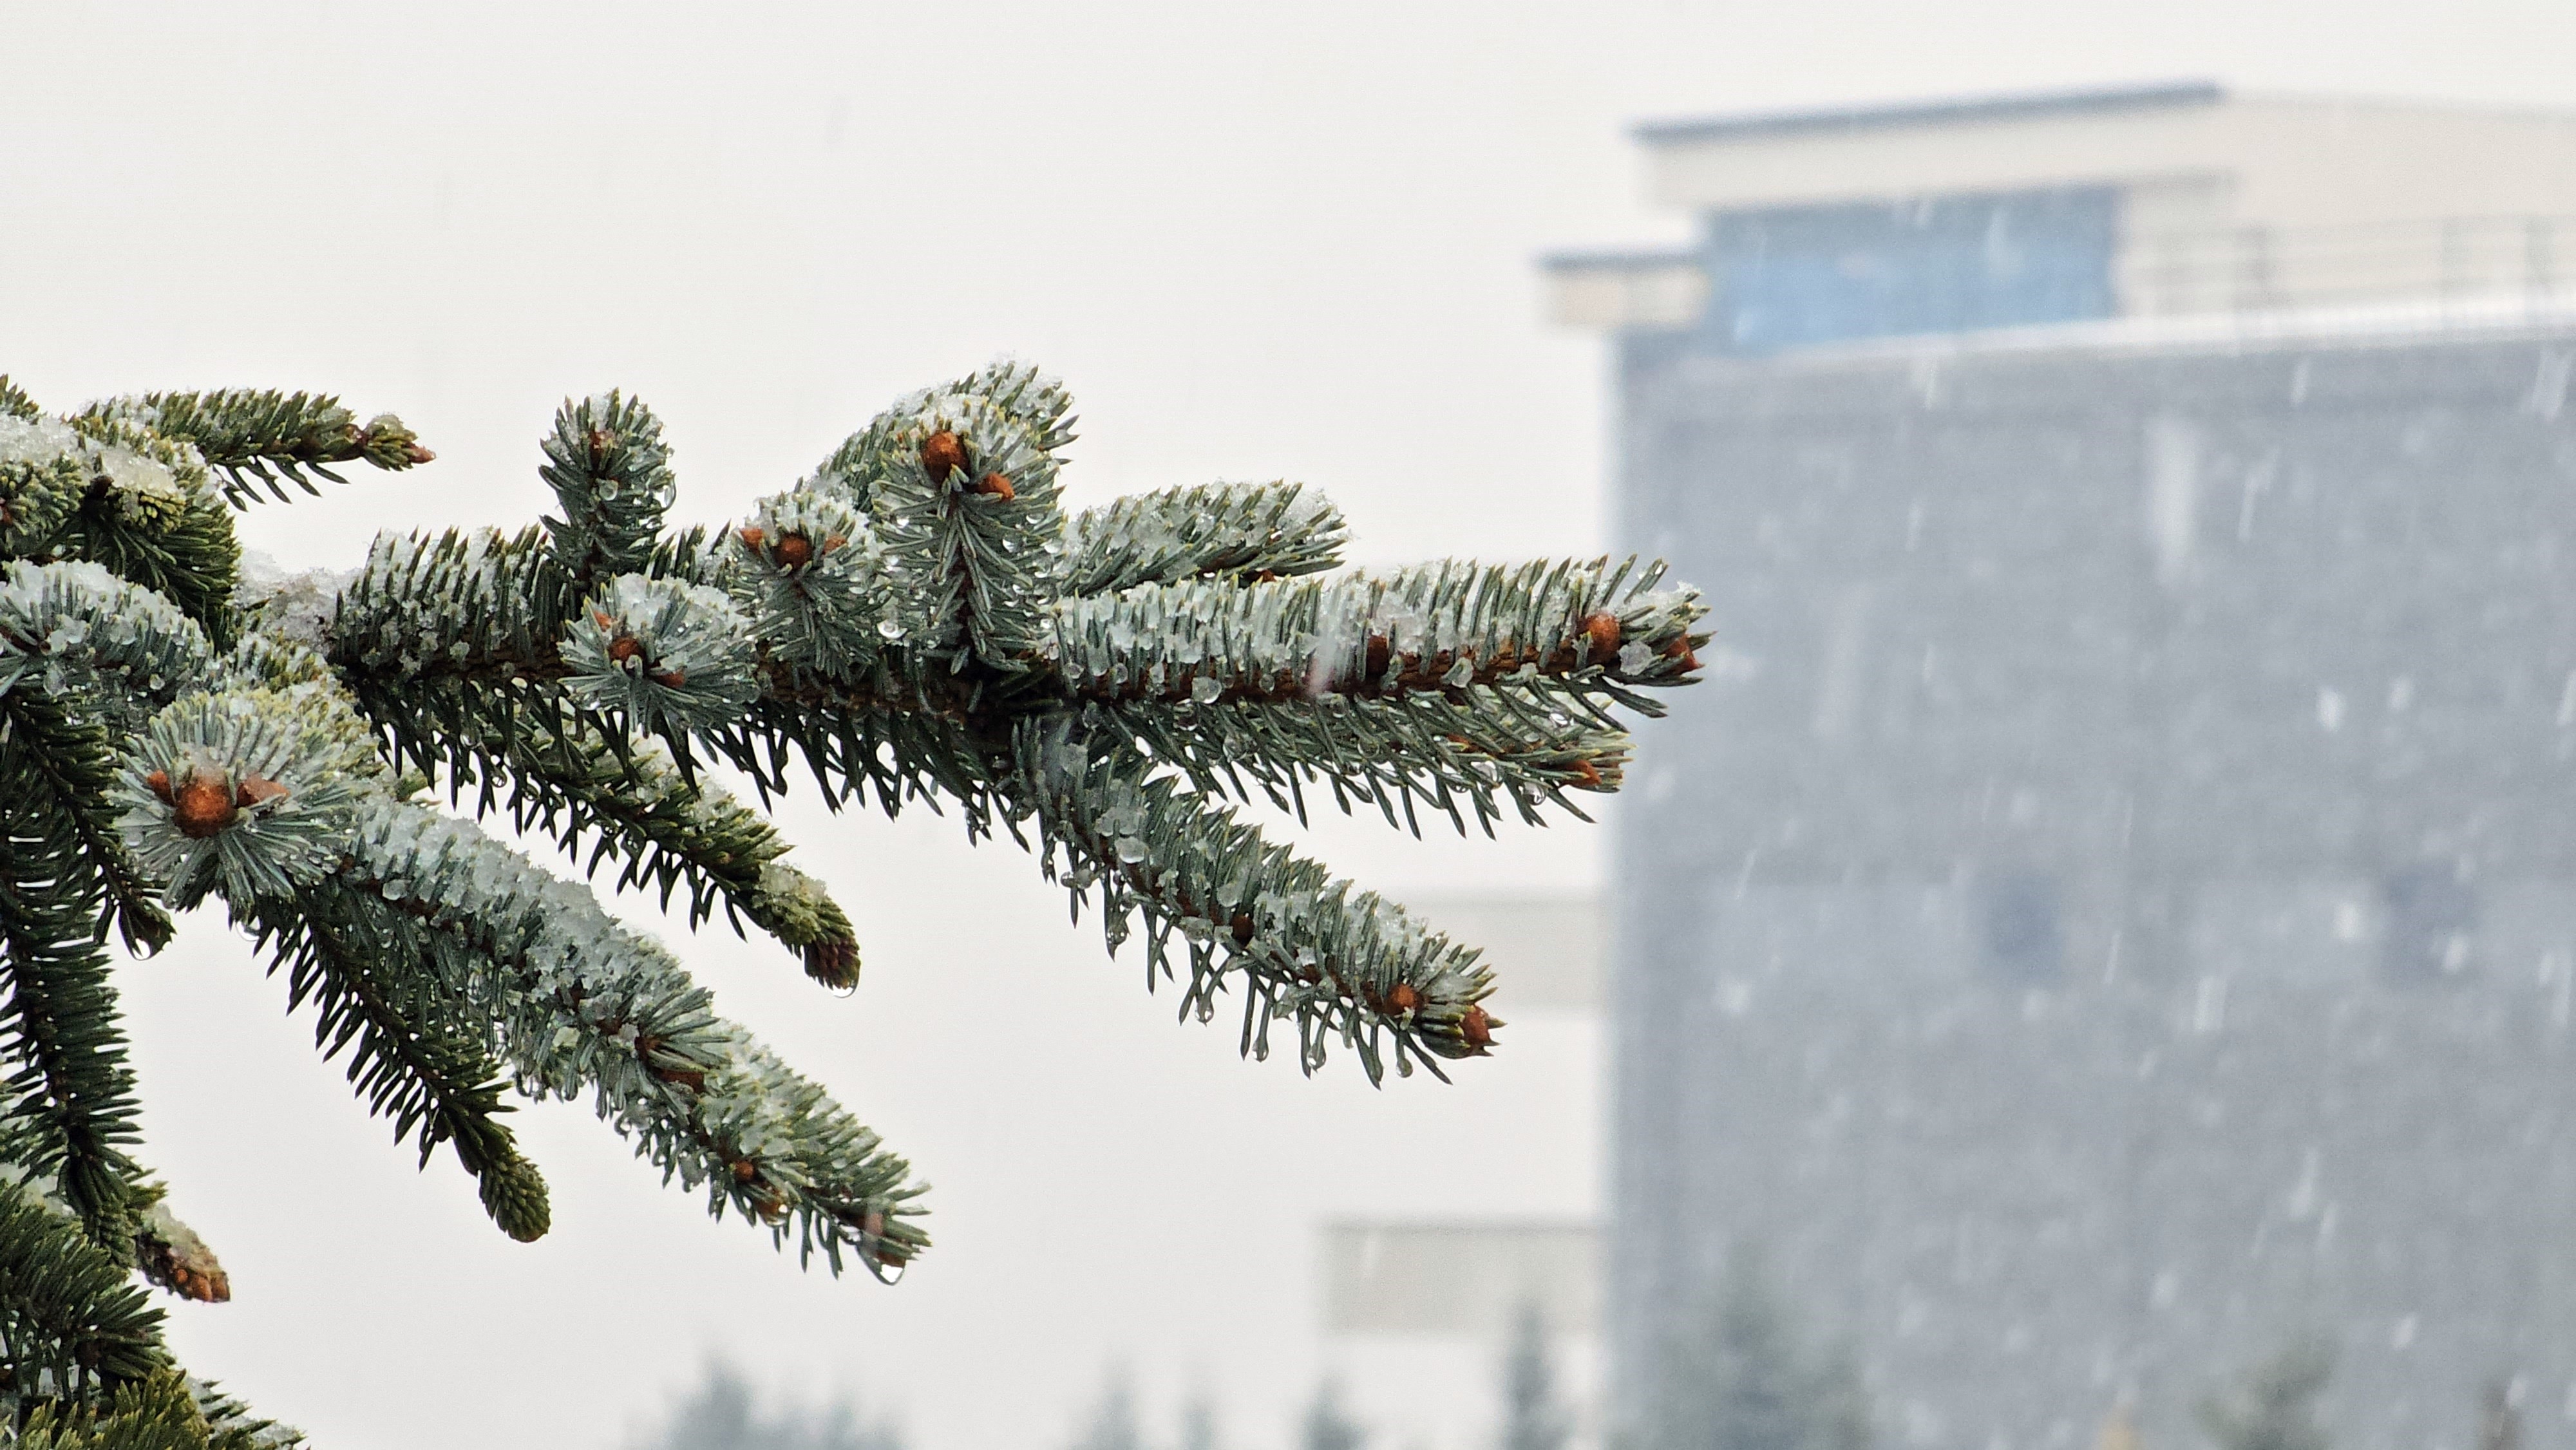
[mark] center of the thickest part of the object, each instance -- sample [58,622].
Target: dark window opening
[2432,924]
[2025,928]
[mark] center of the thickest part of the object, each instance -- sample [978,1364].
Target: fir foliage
[1533,1415]
[1328,1426]
[723,1413]
[1739,1378]
[920,621]
[2274,1407]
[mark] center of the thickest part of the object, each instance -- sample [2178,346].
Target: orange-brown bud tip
[202,808]
[1402,998]
[418,456]
[752,536]
[1602,632]
[994,485]
[158,782]
[941,455]
[1476,1028]
[623,648]
[671,679]
[794,551]
[255,789]
[744,1171]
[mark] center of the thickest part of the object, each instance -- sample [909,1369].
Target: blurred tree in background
[721,1414]
[1533,1416]
[2275,1406]
[1113,1421]
[918,621]
[2499,1415]
[1741,1380]
[1328,1426]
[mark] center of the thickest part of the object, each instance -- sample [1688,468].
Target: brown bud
[994,485]
[1476,1028]
[1242,927]
[202,807]
[1602,630]
[1402,998]
[1680,649]
[598,441]
[255,789]
[1585,774]
[771,1207]
[602,618]
[744,1171]
[1380,654]
[158,782]
[752,536]
[834,963]
[833,541]
[941,455]
[418,455]
[794,551]
[671,679]
[623,648]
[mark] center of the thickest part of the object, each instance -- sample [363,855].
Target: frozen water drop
[1205,689]
[888,1271]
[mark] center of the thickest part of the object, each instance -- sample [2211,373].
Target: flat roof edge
[1618,259]
[2159,96]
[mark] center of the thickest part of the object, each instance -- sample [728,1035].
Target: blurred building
[2111,908]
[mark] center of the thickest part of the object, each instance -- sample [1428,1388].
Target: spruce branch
[172,1255]
[583,1005]
[669,832]
[1249,532]
[260,438]
[918,622]
[1592,634]
[966,499]
[73,1095]
[72,1323]
[1293,940]
[611,474]
[42,483]
[59,777]
[1468,754]
[413,1056]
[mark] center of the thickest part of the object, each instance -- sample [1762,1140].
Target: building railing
[2279,269]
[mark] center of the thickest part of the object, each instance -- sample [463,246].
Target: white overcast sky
[1290,240]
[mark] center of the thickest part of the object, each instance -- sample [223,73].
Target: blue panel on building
[1796,276]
